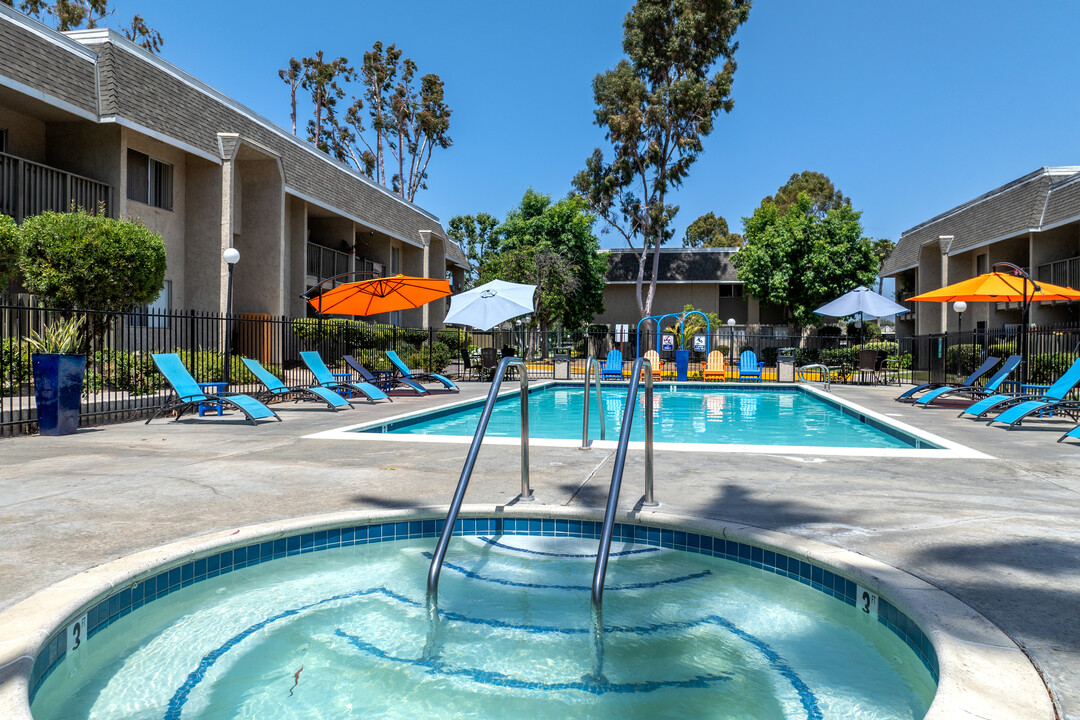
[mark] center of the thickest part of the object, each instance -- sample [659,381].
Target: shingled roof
[102,76]
[1035,202]
[676,265]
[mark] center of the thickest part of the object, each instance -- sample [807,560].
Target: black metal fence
[122,382]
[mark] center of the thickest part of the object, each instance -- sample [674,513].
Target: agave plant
[61,337]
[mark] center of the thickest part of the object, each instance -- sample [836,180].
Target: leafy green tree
[403,125]
[477,235]
[292,76]
[551,245]
[883,248]
[320,78]
[9,249]
[710,231]
[819,187]
[80,261]
[655,107]
[76,14]
[800,260]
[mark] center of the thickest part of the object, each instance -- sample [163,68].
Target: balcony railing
[1060,272]
[29,188]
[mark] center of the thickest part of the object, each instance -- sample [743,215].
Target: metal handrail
[594,365]
[470,462]
[613,500]
[825,372]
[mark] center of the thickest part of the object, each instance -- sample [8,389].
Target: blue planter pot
[682,363]
[58,381]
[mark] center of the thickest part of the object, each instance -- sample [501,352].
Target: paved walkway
[1001,534]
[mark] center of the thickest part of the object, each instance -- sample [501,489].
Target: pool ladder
[463,483]
[592,364]
[603,551]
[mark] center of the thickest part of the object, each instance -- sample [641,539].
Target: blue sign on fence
[699,343]
[668,343]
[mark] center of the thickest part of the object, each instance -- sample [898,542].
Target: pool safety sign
[699,343]
[668,343]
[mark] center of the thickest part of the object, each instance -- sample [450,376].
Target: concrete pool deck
[1001,534]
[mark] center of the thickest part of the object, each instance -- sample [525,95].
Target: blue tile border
[110,609]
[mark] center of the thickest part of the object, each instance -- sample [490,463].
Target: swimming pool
[332,624]
[697,417]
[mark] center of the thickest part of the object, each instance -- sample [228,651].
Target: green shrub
[79,260]
[807,356]
[130,372]
[968,356]
[769,355]
[207,366]
[10,249]
[455,339]
[15,368]
[1003,349]
[1045,368]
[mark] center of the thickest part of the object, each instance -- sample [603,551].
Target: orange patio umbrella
[998,287]
[1012,286]
[380,295]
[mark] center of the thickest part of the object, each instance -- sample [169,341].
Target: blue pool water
[682,414]
[716,629]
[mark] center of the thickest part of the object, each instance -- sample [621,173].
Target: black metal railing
[122,382]
[29,188]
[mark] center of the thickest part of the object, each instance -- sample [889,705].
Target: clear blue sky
[911,108]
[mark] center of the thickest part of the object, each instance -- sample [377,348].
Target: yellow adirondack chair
[714,366]
[654,359]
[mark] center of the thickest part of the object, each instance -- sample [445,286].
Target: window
[980,264]
[149,181]
[731,290]
[156,314]
[3,140]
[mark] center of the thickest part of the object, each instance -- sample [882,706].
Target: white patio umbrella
[486,306]
[862,301]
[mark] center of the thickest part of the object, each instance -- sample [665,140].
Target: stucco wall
[200,288]
[26,135]
[295,254]
[259,278]
[171,225]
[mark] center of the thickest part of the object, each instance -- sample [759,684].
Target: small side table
[384,379]
[344,378]
[213,388]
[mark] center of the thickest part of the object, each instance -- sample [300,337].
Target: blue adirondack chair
[750,366]
[612,365]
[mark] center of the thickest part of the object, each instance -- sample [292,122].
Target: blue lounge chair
[186,393]
[369,378]
[325,378]
[1074,433]
[612,365]
[1051,401]
[987,365]
[974,392]
[407,374]
[1002,402]
[276,389]
[749,365]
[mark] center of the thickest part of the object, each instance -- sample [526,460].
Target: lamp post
[959,306]
[231,256]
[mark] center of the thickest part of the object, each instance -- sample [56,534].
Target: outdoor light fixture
[959,306]
[731,324]
[231,256]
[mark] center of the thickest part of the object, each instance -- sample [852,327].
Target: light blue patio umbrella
[861,301]
[486,306]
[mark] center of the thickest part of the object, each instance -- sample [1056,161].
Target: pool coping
[983,674]
[947,449]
